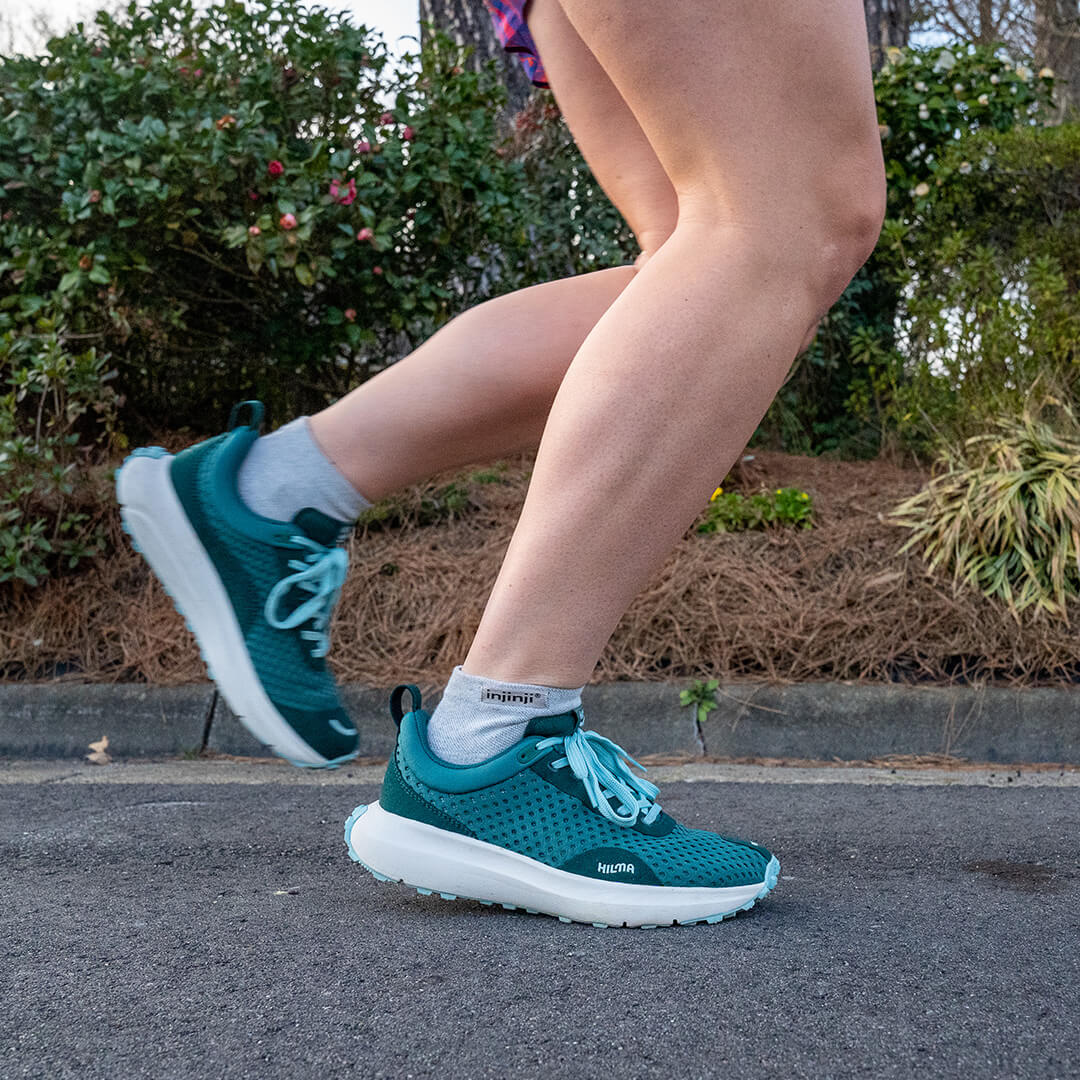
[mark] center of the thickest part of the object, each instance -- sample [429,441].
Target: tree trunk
[469,23]
[1057,46]
[888,23]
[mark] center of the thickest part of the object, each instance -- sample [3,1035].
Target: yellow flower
[804,497]
[922,189]
[1046,73]
[777,491]
[716,494]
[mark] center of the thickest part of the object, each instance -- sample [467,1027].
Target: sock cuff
[478,690]
[287,470]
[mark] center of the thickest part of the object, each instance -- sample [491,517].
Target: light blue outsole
[160,452]
[772,875]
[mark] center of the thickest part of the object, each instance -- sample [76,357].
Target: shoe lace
[603,767]
[320,572]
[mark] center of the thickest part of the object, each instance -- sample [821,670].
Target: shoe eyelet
[524,754]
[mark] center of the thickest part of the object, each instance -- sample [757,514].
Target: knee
[820,232]
[854,227]
[850,210]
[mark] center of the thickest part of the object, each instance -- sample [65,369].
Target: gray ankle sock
[478,718]
[287,471]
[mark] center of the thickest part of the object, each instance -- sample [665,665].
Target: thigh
[604,128]
[754,107]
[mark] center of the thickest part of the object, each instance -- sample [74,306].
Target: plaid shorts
[509,19]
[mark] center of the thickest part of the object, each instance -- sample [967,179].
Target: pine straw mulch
[832,603]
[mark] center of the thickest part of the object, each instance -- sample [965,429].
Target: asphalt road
[170,929]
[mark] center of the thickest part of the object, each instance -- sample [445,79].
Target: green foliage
[56,407]
[990,279]
[929,98]
[702,695]
[427,505]
[223,198]
[842,393]
[729,511]
[1004,514]
[569,225]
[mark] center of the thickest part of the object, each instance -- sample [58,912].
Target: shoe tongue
[560,724]
[322,528]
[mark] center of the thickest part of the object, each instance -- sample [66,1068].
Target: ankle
[479,717]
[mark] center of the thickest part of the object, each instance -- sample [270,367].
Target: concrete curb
[60,720]
[809,720]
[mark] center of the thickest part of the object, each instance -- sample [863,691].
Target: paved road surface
[180,924]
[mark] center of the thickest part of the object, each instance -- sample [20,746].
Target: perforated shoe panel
[531,816]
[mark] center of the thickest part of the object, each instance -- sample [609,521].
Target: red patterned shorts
[513,31]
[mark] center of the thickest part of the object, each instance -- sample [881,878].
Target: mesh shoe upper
[252,555]
[523,802]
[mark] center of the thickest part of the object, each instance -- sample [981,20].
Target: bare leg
[776,161]
[483,385]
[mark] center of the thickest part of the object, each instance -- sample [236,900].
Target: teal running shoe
[258,594]
[557,824]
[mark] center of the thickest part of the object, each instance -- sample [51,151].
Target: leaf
[98,752]
[303,274]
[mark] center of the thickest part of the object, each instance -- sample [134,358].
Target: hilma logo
[514,697]
[614,867]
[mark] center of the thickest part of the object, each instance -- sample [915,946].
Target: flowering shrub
[206,193]
[729,511]
[988,277]
[929,102]
[929,98]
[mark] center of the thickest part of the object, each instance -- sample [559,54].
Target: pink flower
[346,195]
[275,168]
[287,221]
[408,134]
[350,314]
[364,234]
[95,196]
[386,119]
[253,196]
[254,230]
[363,147]
[197,73]
[377,270]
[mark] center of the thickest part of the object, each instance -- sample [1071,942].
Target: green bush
[839,395]
[1003,514]
[55,408]
[570,225]
[990,280]
[247,199]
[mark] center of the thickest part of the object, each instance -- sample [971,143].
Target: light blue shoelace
[321,572]
[604,768]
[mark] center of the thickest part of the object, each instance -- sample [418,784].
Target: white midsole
[157,521]
[432,858]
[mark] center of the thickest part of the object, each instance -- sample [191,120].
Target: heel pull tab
[254,412]
[396,710]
